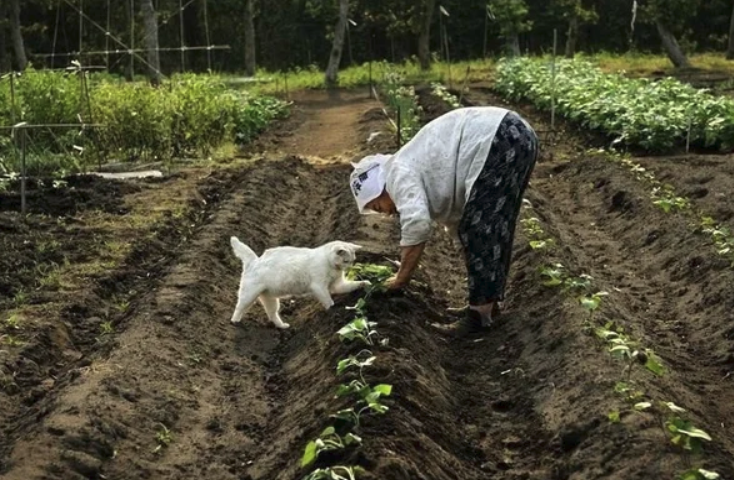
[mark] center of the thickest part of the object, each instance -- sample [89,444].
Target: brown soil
[528,401]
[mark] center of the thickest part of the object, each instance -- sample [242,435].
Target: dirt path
[326,125]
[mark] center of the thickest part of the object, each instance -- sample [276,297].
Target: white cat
[290,271]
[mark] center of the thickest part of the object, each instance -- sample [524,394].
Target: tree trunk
[250,64]
[150,25]
[424,37]
[17,36]
[5,65]
[730,50]
[513,45]
[670,44]
[332,70]
[571,36]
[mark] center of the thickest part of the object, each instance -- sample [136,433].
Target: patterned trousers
[487,227]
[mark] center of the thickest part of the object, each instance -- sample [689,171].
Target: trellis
[19,130]
[122,48]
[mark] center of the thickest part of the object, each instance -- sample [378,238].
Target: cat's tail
[242,251]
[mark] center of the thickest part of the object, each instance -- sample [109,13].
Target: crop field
[614,359]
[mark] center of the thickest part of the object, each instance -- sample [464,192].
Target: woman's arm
[409,257]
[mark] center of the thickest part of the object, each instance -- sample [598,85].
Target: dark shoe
[469,324]
[463,311]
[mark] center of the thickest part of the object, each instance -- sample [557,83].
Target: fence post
[553,82]
[399,128]
[24,133]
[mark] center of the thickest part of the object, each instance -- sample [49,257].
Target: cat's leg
[245,299]
[272,307]
[342,285]
[322,294]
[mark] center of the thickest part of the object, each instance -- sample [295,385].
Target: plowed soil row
[528,401]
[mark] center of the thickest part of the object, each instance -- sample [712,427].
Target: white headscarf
[367,180]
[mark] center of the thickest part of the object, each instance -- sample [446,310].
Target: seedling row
[653,115]
[344,431]
[681,432]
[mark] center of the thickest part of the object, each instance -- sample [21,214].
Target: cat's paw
[283,326]
[235,321]
[365,283]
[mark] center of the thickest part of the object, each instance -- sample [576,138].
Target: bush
[186,115]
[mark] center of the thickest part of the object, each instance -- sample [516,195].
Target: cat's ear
[354,246]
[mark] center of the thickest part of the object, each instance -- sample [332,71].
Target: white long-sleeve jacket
[430,177]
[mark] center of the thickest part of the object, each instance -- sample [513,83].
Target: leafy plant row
[680,431]
[403,102]
[666,198]
[344,431]
[187,115]
[654,115]
[442,92]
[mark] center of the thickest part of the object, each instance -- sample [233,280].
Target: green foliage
[699,474]
[328,440]
[637,112]
[403,101]
[511,16]
[685,435]
[371,272]
[335,473]
[359,329]
[187,115]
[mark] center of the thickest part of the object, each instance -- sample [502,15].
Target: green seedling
[626,390]
[10,341]
[20,297]
[613,416]
[686,436]
[665,198]
[163,437]
[699,474]
[591,303]
[542,244]
[620,346]
[376,274]
[359,329]
[106,328]
[554,275]
[582,282]
[328,440]
[363,391]
[722,236]
[13,322]
[354,361]
[335,473]
[360,307]
[441,92]
[371,401]
[531,227]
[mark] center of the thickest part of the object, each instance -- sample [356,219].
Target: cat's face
[344,255]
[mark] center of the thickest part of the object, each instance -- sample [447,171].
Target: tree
[511,15]
[332,70]
[150,24]
[424,36]
[730,50]
[574,12]
[4,57]
[669,16]
[250,64]
[17,36]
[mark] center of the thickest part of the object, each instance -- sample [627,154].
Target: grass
[267,82]
[641,64]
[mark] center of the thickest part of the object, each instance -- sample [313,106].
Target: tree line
[286,34]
